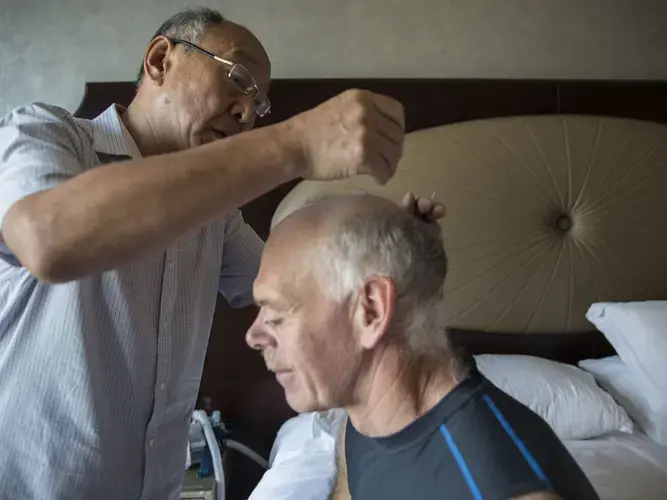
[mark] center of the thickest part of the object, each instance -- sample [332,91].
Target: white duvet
[621,466]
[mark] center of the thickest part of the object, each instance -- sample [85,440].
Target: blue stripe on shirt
[472,485]
[517,441]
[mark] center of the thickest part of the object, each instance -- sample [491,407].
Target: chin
[200,141]
[301,405]
[201,138]
[304,404]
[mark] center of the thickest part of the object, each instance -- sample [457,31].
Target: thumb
[408,200]
[381,177]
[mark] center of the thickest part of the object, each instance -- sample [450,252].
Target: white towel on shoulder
[303,458]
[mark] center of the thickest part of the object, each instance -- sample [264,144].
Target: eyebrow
[280,303]
[276,304]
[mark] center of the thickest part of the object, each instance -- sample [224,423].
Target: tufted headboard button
[563,223]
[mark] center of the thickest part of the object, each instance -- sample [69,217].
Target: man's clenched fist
[355,132]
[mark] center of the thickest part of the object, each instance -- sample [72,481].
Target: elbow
[45,267]
[32,241]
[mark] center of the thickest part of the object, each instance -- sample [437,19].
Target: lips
[219,134]
[281,377]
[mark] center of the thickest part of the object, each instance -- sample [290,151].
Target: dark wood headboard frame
[234,378]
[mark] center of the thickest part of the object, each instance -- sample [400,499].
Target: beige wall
[49,48]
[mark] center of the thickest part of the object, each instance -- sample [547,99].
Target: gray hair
[188,25]
[388,241]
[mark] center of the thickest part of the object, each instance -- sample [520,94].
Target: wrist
[288,142]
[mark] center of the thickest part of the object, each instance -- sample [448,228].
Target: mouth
[282,376]
[219,134]
[280,371]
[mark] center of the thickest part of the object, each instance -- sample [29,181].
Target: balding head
[341,281]
[347,239]
[330,209]
[320,220]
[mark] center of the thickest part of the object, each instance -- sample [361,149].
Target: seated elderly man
[350,291]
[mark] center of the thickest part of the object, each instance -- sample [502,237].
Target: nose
[257,337]
[243,111]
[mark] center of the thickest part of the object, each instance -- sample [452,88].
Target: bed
[555,195]
[623,466]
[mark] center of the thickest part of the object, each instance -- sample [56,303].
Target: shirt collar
[110,135]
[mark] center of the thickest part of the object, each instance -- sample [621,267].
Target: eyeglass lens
[245,82]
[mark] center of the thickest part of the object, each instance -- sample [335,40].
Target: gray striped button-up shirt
[98,377]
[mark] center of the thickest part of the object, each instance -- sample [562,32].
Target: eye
[273,322]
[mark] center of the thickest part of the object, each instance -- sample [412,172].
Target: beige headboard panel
[546,215]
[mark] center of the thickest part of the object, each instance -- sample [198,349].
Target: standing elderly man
[116,234]
[350,292]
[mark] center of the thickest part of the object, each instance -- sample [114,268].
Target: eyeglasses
[240,77]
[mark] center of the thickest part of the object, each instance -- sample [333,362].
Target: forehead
[239,45]
[267,286]
[283,274]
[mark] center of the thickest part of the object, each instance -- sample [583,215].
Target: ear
[375,309]
[156,59]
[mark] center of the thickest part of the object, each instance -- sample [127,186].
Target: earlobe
[377,301]
[156,59]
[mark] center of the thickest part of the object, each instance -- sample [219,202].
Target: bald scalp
[203,24]
[300,241]
[240,41]
[322,215]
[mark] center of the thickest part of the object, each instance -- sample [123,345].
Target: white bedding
[623,466]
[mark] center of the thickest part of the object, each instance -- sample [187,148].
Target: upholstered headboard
[546,215]
[601,241]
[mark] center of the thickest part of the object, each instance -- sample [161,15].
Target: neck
[398,392]
[139,123]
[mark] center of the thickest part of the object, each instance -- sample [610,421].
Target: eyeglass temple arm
[203,51]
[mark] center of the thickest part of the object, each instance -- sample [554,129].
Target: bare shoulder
[539,495]
[341,491]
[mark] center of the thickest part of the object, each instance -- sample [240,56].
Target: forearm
[112,214]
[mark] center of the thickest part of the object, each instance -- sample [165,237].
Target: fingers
[439,211]
[425,205]
[424,208]
[384,156]
[391,109]
[408,200]
[356,132]
[390,120]
[386,130]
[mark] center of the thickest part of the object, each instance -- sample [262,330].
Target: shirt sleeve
[39,149]
[240,262]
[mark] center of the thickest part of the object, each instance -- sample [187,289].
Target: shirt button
[151,442]
[163,386]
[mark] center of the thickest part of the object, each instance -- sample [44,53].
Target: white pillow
[566,397]
[644,404]
[638,333]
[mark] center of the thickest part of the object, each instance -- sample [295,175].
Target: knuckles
[345,132]
[359,106]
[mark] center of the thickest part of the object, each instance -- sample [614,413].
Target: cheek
[325,369]
[216,94]
[202,100]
